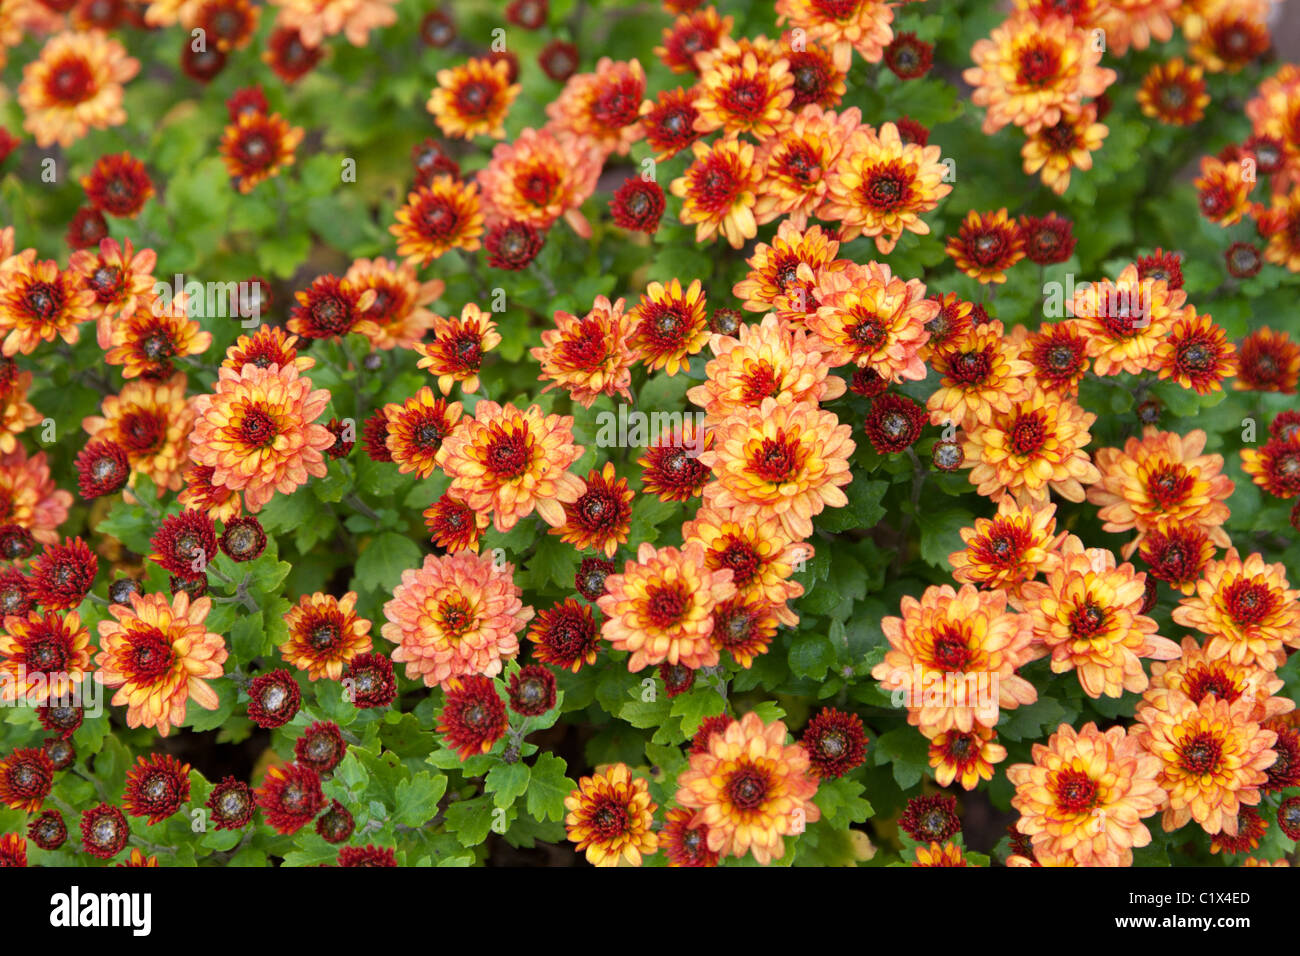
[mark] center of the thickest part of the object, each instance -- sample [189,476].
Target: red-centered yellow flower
[719,191]
[118,276]
[1126,320]
[1031,69]
[255,431]
[1138,23]
[743,96]
[538,179]
[1159,483]
[397,319]
[317,19]
[458,346]
[1174,93]
[438,218]
[671,325]
[750,789]
[160,656]
[660,609]
[513,463]
[16,413]
[611,817]
[152,422]
[1086,794]
[1275,467]
[417,429]
[880,186]
[256,146]
[1280,224]
[472,99]
[1234,35]
[1031,450]
[1247,608]
[39,303]
[692,33]
[1224,191]
[796,161]
[774,269]
[949,854]
[980,377]
[1213,758]
[599,518]
[589,356]
[763,361]
[43,656]
[1006,551]
[455,616]
[74,85]
[29,497]
[1268,361]
[965,757]
[873,319]
[145,342]
[790,461]
[842,25]
[603,107]
[953,658]
[200,494]
[985,245]
[1067,144]
[324,635]
[454,526]
[1198,674]
[1058,353]
[1087,615]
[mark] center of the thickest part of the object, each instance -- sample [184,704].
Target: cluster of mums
[1212,742]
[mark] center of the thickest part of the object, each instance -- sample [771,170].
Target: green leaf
[417,798]
[470,820]
[380,566]
[548,787]
[507,782]
[811,655]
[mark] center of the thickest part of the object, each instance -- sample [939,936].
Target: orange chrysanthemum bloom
[1268,361]
[873,319]
[120,279]
[74,85]
[1247,608]
[1224,192]
[256,146]
[1280,224]
[985,245]
[1126,319]
[589,356]
[145,342]
[1006,551]
[417,429]
[602,108]
[317,19]
[1030,70]
[39,303]
[1138,23]
[160,655]
[1058,353]
[1057,148]
[28,496]
[953,656]
[152,422]
[1275,466]
[671,325]
[324,635]
[599,518]
[43,656]
[255,431]
[200,494]
[758,551]
[438,218]
[719,191]
[966,758]
[1087,615]
[843,25]
[692,33]
[1199,674]
[737,94]
[660,609]
[947,854]
[1174,93]
[750,789]
[1159,483]
[540,178]
[1213,757]
[16,413]
[763,361]
[397,319]
[1086,794]
[269,345]
[455,616]
[880,186]
[773,275]
[611,817]
[980,376]
[1034,448]
[796,162]
[1234,35]
[513,462]
[472,99]
[790,461]
[458,346]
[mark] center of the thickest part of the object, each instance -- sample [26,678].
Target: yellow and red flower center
[987,246]
[760,381]
[746,97]
[748,786]
[1088,620]
[886,186]
[107,282]
[837,9]
[867,329]
[1029,434]
[48,653]
[142,432]
[1249,602]
[778,459]
[149,656]
[1207,679]
[456,616]
[742,559]
[1201,753]
[1062,137]
[509,453]
[715,186]
[665,604]
[609,818]
[599,509]
[475,97]
[963,747]
[258,429]
[1074,791]
[951,651]
[435,218]
[323,634]
[586,348]
[1038,64]
[799,163]
[971,368]
[665,324]
[1169,486]
[1004,545]
[70,81]
[43,301]
[619,104]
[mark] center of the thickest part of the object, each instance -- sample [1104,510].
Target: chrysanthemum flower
[513,462]
[589,356]
[1048,240]
[842,25]
[16,413]
[953,320]
[1065,145]
[599,518]
[880,186]
[256,147]
[473,717]
[1196,355]
[152,422]
[42,655]
[774,269]
[317,19]
[566,635]
[438,218]
[289,56]
[458,346]
[638,205]
[670,326]
[611,817]
[1275,467]
[63,574]
[817,80]
[472,99]
[1268,361]
[145,342]
[456,615]
[119,278]
[790,461]
[397,317]
[512,245]
[290,797]
[1250,829]
[1283,773]
[274,699]
[697,31]
[1198,674]
[1246,607]
[160,655]
[1174,93]
[228,24]
[74,85]
[719,191]
[325,634]
[417,430]
[185,543]
[532,690]
[985,245]
[835,743]
[539,178]
[156,787]
[370,681]
[454,525]
[1127,319]
[40,303]
[118,185]
[893,423]
[13,850]
[981,377]
[931,818]
[947,854]
[796,161]
[26,778]
[1030,70]
[743,96]
[1234,35]
[757,550]
[1224,192]
[966,758]
[1086,794]
[104,831]
[16,595]
[960,633]
[602,107]
[669,122]
[48,831]
[1177,555]
[750,789]
[29,496]
[908,56]
[685,842]
[269,345]
[330,308]
[200,493]
[1006,551]
[874,319]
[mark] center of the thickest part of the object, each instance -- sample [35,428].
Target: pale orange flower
[588,356]
[472,99]
[152,422]
[74,85]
